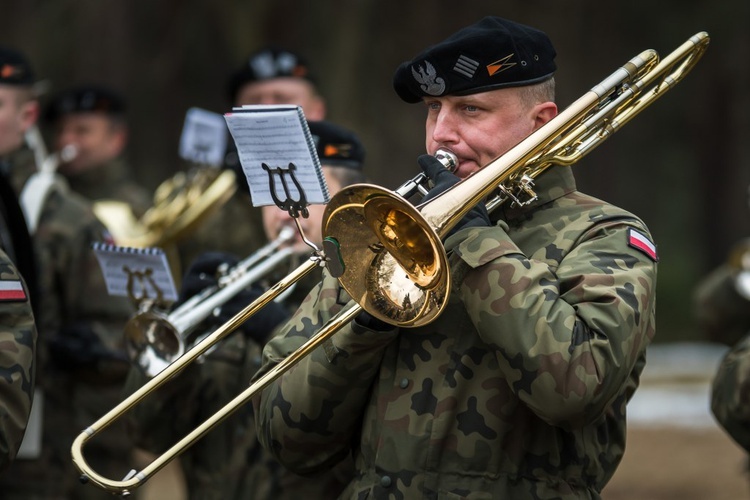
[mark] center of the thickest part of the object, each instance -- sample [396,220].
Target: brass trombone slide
[378,231]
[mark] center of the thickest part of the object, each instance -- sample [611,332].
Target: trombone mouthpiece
[447,158]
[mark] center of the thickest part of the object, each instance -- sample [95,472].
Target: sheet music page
[204,137]
[142,272]
[277,135]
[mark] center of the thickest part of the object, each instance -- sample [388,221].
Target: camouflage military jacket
[81,360]
[112,181]
[229,462]
[517,390]
[17,365]
[730,393]
[721,312]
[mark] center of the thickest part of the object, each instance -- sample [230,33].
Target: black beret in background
[266,63]
[491,54]
[15,68]
[86,99]
[336,145]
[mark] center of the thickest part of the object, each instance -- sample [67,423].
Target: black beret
[336,145]
[491,54]
[15,68]
[86,99]
[266,63]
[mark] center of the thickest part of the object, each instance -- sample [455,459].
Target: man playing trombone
[518,389]
[229,462]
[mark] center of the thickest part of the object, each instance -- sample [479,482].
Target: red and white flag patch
[11,290]
[640,241]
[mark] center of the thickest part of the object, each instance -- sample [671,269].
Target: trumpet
[388,253]
[154,339]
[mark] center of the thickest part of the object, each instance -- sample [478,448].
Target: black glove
[259,326]
[77,347]
[366,320]
[443,179]
[203,273]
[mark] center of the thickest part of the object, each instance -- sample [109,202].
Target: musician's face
[96,138]
[274,219]
[17,115]
[480,127]
[285,90]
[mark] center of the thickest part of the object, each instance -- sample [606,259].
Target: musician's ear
[29,114]
[543,112]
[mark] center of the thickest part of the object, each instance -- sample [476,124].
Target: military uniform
[112,181]
[517,390]
[18,337]
[229,462]
[81,361]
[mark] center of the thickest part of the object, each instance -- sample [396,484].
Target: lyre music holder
[294,207]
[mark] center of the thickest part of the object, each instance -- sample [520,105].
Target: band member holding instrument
[91,119]
[270,75]
[81,365]
[229,462]
[518,389]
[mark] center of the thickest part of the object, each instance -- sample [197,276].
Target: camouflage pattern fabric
[81,363]
[518,390]
[228,463]
[112,181]
[730,393]
[720,311]
[18,338]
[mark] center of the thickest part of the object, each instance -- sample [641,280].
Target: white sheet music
[204,137]
[277,135]
[140,273]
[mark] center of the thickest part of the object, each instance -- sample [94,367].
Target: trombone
[388,253]
[154,339]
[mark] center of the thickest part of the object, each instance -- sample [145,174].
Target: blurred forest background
[679,165]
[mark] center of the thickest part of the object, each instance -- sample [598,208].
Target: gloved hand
[442,180]
[77,347]
[202,274]
[366,320]
[259,326]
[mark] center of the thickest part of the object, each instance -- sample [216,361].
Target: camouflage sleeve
[730,393]
[567,339]
[721,312]
[17,364]
[329,388]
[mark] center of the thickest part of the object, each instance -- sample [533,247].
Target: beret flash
[336,145]
[264,64]
[493,53]
[15,68]
[85,99]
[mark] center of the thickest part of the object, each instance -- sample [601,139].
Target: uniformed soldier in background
[91,122]
[270,75]
[81,362]
[228,463]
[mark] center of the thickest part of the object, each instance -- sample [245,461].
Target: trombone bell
[396,269]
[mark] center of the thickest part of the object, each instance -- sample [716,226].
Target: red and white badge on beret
[11,290]
[640,241]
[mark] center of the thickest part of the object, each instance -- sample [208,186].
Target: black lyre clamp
[294,207]
[145,282]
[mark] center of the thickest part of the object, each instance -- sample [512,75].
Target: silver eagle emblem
[428,80]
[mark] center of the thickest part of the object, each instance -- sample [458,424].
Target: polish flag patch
[11,290]
[640,241]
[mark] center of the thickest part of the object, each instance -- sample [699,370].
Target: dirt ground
[680,464]
[659,464]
